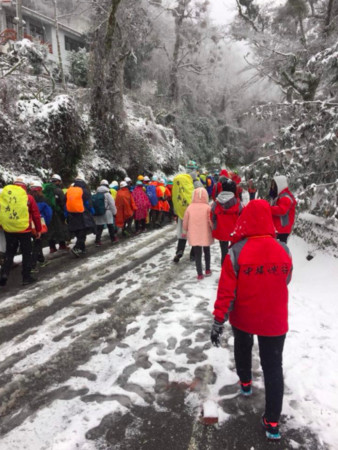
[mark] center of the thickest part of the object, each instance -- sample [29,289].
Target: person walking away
[217,188]
[171,213]
[253,295]
[237,179]
[143,206]
[18,210]
[197,227]
[252,190]
[153,192]
[224,214]
[162,205]
[57,230]
[46,213]
[129,183]
[105,210]
[126,207]
[183,187]
[283,207]
[114,187]
[80,214]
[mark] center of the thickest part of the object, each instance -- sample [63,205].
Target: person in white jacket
[108,217]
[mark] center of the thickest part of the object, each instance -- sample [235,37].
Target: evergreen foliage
[79,65]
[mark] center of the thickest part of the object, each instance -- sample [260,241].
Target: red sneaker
[63,247]
[208,273]
[200,277]
[52,250]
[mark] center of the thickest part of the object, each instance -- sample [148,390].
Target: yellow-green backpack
[14,213]
[183,188]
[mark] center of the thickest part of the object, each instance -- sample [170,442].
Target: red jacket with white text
[252,289]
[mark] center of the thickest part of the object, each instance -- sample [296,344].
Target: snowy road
[113,352]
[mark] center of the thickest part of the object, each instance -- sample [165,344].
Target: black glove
[216,332]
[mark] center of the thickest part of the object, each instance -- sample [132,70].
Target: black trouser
[127,226]
[37,253]
[283,237]
[181,243]
[156,217]
[52,244]
[252,195]
[12,242]
[81,236]
[99,230]
[140,225]
[271,356]
[198,258]
[224,250]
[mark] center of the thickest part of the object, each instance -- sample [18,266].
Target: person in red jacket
[24,239]
[218,186]
[224,214]
[283,207]
[237,179]
[253,294]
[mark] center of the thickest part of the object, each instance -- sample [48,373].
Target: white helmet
[56,177]
[123,184]
[127,180]
[104,183]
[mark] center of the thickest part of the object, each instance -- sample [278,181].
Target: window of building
[10,22]
[37,31]
[72,44]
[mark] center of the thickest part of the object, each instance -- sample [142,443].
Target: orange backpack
[74,202]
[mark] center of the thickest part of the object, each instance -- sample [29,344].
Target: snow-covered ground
[168,340]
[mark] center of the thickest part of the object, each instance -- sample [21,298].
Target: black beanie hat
[229,185]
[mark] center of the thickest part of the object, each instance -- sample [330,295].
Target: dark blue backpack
[99,204]
[151,192]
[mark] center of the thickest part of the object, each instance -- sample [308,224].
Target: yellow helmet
[140,178]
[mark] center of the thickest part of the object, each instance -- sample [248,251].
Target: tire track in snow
[63,299]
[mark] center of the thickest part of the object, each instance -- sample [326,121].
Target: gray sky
[223,11]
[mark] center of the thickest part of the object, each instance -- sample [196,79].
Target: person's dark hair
[229,185]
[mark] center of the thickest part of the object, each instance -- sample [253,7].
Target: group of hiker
[256,263]
[33,214]
[256,269]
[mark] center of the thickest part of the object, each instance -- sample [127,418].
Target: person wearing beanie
[253,294]
[57,230]
[105,211]
[224,214]
[18,211]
